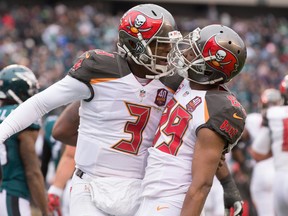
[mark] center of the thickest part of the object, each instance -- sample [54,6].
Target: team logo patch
[77,65]
[193,104]
[102,52]
[222,59]
[136,22]
[161,97]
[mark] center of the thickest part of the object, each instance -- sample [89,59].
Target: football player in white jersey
[272,138]
[65,129]
[201,122]
[122,99]
[262,179]
[123,95]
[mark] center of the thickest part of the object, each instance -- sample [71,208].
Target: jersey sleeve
[60,93]
[96,64]
[226,118]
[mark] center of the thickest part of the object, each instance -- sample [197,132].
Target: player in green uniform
[22,178]
[52,148]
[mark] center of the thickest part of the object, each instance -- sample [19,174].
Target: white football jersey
[118,123]
[168,171]
[277,121]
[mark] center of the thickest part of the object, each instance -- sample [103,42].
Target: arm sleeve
[262,142]
[61,93]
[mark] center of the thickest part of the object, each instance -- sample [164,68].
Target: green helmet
[17,83]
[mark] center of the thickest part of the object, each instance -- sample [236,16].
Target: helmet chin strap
[158,76]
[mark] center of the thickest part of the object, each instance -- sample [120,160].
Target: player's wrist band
[55,190]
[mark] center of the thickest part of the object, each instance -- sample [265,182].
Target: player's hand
[236,210]
[232,198]
[54,200]
[54,204]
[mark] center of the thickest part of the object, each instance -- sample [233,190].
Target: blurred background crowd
[48,37]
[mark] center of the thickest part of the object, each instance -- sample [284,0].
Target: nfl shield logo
[161,97]
[142,93]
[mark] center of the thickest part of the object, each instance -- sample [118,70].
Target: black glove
[232,197]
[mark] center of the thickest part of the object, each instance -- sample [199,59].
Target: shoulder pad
[98,64]
[172,82]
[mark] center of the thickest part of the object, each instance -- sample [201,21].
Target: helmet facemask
[185,55]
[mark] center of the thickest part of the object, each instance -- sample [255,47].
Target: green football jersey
[14,179]
[53,144]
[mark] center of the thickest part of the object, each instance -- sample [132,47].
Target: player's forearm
[259,157]
[64,171]
[36,186]
[70,140]
[222,171]
[195,200]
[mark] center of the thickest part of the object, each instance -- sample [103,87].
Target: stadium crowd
[47,39]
